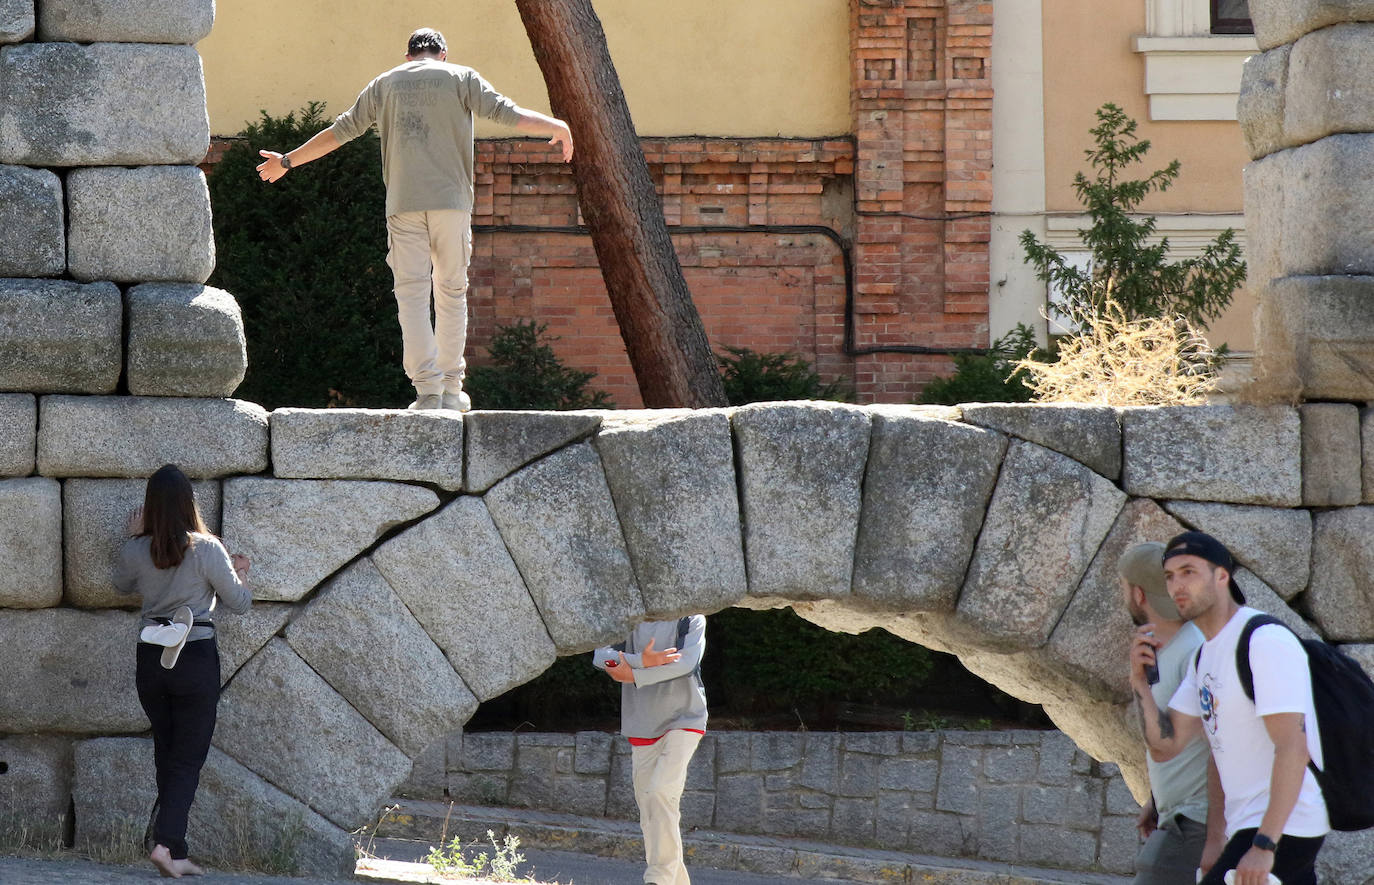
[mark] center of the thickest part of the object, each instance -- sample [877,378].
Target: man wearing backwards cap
[1174,822]
[1275,817]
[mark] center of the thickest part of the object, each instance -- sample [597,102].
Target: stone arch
[411,565]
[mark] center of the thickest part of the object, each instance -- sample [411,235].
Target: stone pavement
[591,851]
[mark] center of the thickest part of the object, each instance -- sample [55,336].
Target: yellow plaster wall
[1088,60]
[688,67]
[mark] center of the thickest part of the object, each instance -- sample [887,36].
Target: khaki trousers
[432,247]
[660,771]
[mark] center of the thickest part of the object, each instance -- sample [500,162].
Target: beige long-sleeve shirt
[424,111]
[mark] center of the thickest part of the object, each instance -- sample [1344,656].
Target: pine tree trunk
[663,334]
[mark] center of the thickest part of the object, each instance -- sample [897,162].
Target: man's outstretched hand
[563,139]
[271,168]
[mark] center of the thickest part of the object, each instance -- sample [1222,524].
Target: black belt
[167,622]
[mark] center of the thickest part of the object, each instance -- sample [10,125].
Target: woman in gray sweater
[179,569]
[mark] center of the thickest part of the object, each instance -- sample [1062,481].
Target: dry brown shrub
[1114,361]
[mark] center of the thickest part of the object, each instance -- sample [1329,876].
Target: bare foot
[185,867]
[162,859]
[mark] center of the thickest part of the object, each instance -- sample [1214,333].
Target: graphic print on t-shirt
[1211,709]
[412,125]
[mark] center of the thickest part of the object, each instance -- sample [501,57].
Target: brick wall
[1015,796]
[725,199]
[907,195]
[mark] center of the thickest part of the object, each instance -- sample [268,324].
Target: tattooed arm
[1167,731]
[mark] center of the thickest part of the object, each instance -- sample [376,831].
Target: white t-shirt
[1233,725]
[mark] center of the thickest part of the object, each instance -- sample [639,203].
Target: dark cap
[1204,546]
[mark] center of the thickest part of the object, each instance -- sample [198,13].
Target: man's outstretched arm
[535,123]
[321,143]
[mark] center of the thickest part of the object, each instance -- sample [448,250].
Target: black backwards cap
[1206,547]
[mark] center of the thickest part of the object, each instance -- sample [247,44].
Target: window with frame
[1231,17]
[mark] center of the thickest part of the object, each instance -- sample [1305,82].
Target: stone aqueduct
[410,565]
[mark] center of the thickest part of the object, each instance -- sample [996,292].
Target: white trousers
[660,771]
[432,247]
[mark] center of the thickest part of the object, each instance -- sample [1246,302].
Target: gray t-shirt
[205,572]
[1179,785]
[423,111]
[665,697]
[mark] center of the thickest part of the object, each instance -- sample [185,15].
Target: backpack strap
[684,626]
[1243,669]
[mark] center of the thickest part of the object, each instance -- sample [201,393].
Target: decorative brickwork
[760,229]
[765,227]
[923,184]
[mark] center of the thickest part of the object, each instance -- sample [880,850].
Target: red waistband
[649,742]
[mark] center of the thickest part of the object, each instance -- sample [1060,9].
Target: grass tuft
[1116,361]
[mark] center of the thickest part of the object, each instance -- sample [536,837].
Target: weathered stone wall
[1307,111]
[1016,796]
[99,192]
[410,565]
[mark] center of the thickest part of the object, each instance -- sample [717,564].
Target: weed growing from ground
[20,835]
[498,866]
[250,845]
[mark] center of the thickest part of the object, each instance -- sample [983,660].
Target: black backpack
[1343,696]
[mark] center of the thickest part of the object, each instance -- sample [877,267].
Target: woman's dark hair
[170,516]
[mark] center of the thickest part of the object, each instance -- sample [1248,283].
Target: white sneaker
[458,402]
[185,620]
[427,401]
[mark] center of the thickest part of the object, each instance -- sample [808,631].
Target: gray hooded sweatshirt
[665,697]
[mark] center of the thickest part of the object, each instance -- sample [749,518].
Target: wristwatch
[1263,842]
[285,161]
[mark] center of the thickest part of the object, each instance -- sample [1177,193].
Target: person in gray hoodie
[663,714]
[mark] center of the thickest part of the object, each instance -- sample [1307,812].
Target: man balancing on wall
[1276,818]
[423,111]
[663,713]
